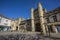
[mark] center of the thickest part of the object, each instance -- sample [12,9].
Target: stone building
[17,23]
[43,21]
[52,20]
[26,25]
[22,24]
[13,24]
[40,21]
[37,20]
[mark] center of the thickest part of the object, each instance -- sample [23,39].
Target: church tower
[37,20]
[40,11]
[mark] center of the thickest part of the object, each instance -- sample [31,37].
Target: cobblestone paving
[24,37]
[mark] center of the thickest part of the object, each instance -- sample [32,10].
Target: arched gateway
[37,20]
[38,27]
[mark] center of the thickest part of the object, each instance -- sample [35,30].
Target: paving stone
[25,36]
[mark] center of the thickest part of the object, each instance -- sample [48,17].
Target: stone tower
[37,20]
[32,19]
[40,11]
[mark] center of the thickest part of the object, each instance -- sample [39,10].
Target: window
[55,18]
[5,24]
[0,20]
[47,20]
[59,16]
[6,20]
[58,28]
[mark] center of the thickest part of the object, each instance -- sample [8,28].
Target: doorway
[16,27]
[38,27]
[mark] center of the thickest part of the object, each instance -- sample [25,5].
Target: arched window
[55,18]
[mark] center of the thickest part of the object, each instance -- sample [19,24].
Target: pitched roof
[4,16]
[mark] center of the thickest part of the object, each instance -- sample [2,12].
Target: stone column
[40,10]
[32,19]
[44,10]
[25,27]
[18,27]
[54,28]
[46,28]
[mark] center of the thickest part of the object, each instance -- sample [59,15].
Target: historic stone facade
[43,21]
[26,24]
[37,19]
[22,24]
[17,23]
[53,20]
[40,21]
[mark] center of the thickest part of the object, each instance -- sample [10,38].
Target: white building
[5,23]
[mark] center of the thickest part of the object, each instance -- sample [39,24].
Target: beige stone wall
[18,21]
[40,20]
[45,21]
[54,23]
[13,25]
[51,18]
[58,17]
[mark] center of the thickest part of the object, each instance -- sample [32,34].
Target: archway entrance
[16,27]
[38,27]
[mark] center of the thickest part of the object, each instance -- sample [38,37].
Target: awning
[5,26]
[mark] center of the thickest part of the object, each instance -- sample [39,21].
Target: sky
[21,8]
